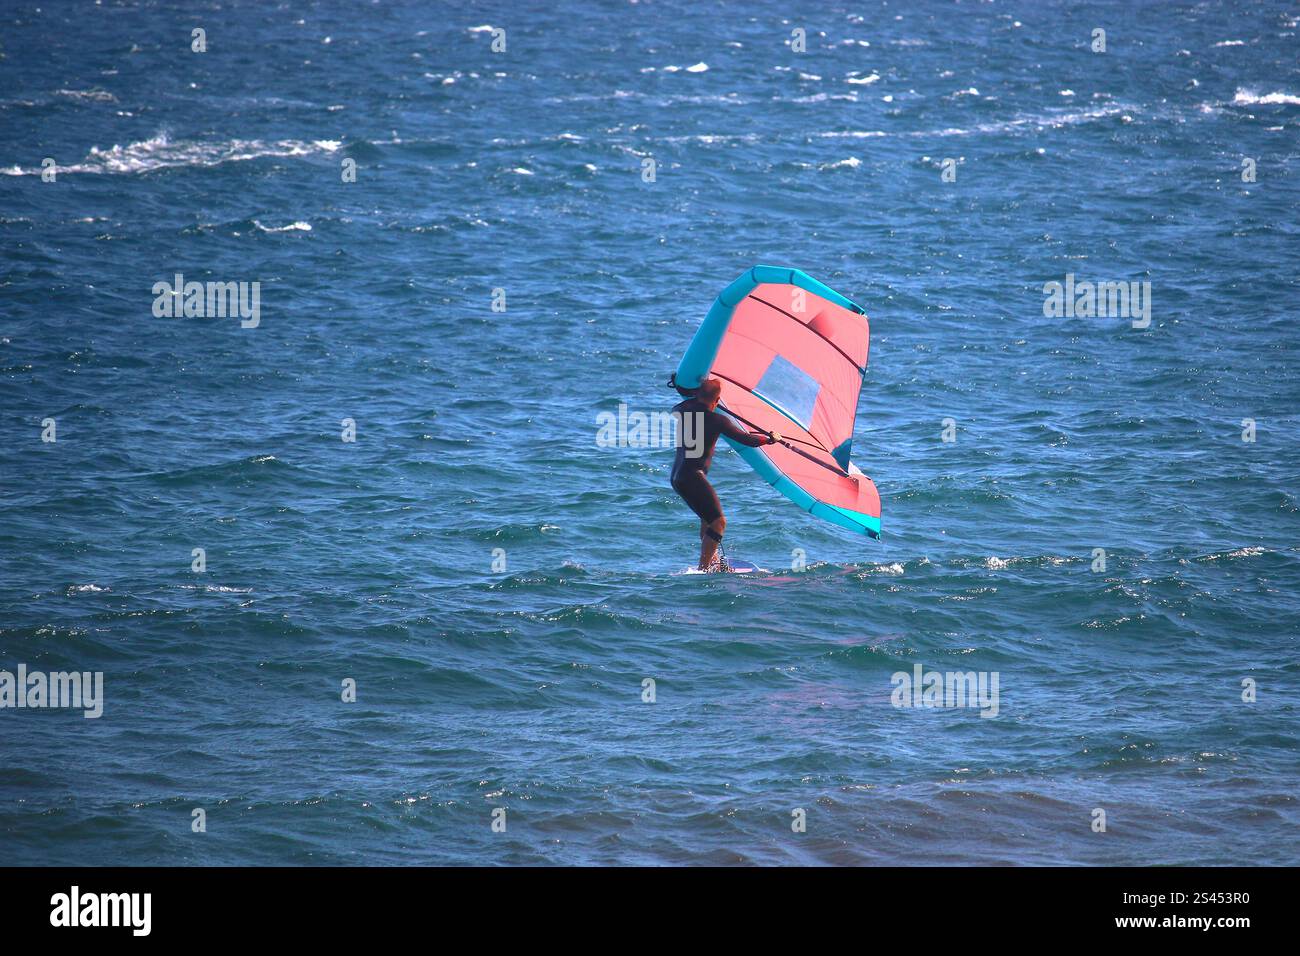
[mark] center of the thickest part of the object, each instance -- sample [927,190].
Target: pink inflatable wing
[790,353]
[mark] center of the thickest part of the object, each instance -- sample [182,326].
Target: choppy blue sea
[1159,686]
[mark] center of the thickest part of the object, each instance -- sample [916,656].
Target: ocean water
[520,688]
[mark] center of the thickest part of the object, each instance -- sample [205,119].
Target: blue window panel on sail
[790,390]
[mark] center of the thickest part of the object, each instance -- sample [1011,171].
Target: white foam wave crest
[1051,121]
[1246,97]
[160,152]
[101,96]
[1231,555]
[292,227]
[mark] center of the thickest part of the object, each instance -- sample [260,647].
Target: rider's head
[709,392]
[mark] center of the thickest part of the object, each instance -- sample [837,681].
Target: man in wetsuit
[698,426]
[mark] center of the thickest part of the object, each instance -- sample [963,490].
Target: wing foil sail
[791,353]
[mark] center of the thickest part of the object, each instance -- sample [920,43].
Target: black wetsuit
[698,429]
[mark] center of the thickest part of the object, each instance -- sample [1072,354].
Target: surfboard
[736,567]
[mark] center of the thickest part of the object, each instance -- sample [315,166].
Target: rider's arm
[738,434]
